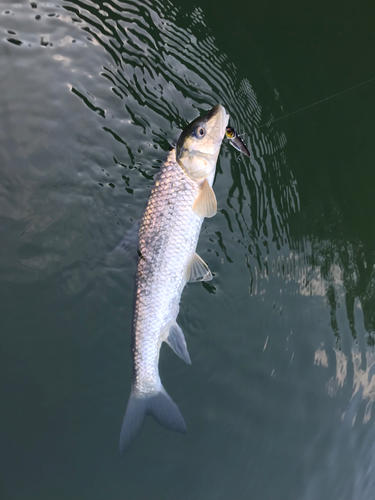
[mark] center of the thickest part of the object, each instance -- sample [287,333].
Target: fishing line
[319,102]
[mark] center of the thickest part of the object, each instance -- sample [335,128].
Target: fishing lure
[236,141]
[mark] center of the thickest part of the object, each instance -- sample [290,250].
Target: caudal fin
[160,406]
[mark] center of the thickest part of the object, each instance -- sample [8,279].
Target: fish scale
[168,236]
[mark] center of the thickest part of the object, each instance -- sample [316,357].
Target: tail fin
[159,405]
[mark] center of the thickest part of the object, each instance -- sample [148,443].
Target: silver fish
[169,230]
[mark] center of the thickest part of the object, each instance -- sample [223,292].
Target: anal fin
[177,342]
[205,205]
[198,270]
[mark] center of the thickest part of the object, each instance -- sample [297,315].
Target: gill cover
[199,144]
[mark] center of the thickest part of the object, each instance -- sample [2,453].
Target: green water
[278,400]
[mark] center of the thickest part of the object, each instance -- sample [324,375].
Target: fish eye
[199,132]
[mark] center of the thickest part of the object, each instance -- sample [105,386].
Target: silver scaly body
[169,230]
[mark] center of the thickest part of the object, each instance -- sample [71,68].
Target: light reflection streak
[320,358]
[305,273]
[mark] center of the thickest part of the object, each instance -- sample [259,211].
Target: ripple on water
[94,95]
[144,77]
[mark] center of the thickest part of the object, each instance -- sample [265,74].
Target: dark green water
[278,401]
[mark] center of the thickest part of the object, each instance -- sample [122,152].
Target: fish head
[199,144]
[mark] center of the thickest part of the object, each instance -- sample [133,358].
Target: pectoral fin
[205,205]
[198,270]
[177,342]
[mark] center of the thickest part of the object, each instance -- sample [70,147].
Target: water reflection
[348,269]
[343,277]
[126,77]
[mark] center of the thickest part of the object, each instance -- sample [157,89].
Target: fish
[236,141]
[181,197]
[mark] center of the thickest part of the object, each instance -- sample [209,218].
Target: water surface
[278,401]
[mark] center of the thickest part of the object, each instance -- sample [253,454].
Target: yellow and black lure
[236,141]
